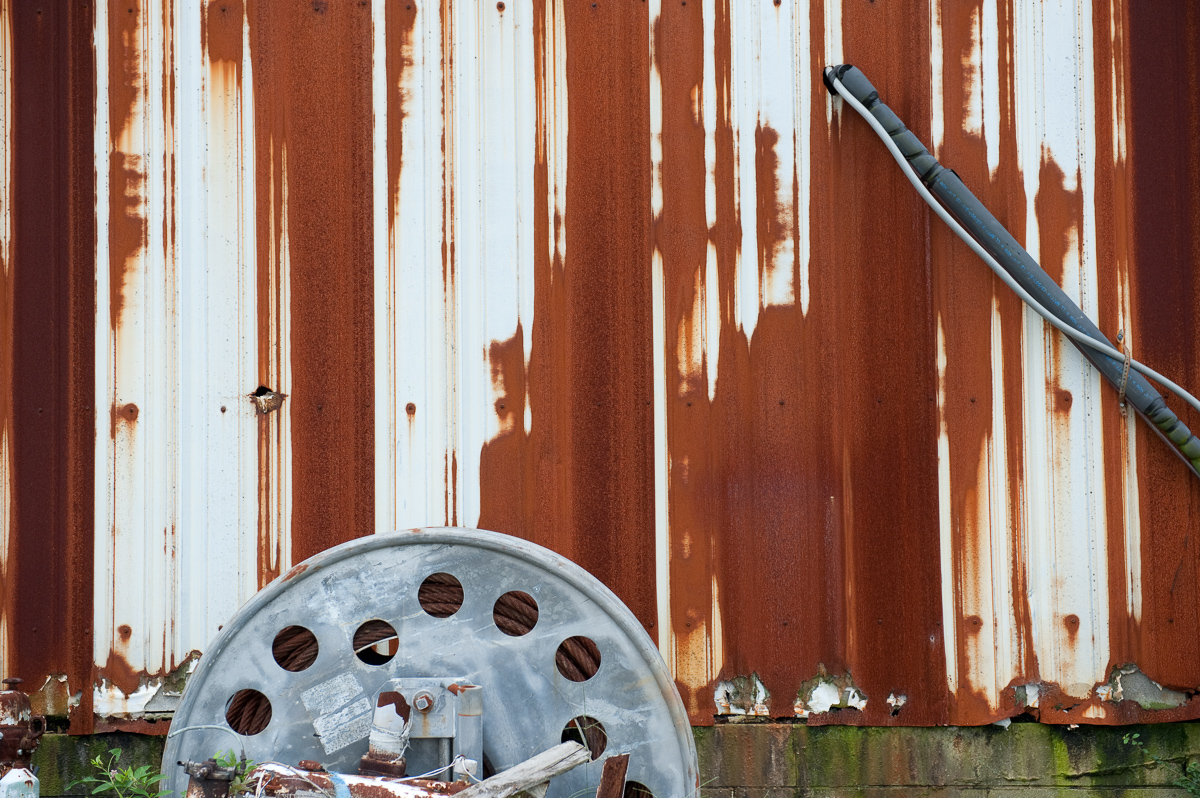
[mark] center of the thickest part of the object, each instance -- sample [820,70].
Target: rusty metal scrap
[281,781]
[20,729]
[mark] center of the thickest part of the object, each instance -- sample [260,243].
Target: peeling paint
[742,695]
[825,692]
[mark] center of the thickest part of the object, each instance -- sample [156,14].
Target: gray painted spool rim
[667,716]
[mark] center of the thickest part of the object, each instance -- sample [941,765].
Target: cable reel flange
[537,687]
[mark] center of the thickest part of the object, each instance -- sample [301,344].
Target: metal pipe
[468,737]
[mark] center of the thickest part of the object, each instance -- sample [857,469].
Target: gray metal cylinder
[468,736]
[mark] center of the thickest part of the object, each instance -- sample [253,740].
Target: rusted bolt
[411,409]
[423,702]
[499,6]
[222,408]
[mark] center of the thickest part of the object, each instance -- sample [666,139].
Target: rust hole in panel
[248,712]
[588,732]
[515,613]
[440,595]
[376,642]
[266,401]
[125,632]
[634,789]
[295,648]
[578,658]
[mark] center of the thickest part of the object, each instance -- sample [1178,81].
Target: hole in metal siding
[440,595]
[515,613]
[634,789]
[295,648]
[578,658]
[248,712]
[376,642]
[588,732]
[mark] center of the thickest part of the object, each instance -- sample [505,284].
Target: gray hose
[1009,260]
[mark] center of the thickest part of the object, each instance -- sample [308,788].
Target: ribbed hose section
[998,242]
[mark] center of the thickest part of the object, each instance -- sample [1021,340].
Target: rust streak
[49,345]
[127,177]
[581,480]
[1164,163]
[313,141]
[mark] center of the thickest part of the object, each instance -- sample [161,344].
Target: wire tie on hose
[1124,371]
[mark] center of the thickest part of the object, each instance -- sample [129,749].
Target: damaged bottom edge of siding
[1127,696]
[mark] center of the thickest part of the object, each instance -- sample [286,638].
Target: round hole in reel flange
[440,595]
[375,642]
[515,613]
[248,712]
[588,732]
[577,658]
[295,648]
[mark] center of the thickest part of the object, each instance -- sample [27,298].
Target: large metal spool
[558,655]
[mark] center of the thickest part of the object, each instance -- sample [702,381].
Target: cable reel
[418,616]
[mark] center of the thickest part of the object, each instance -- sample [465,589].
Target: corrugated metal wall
[620,278]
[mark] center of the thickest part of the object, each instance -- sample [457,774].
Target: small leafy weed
[127,782]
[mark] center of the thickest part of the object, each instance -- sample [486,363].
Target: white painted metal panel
[137,356]
[1064,451]
[415,343]
[217,567]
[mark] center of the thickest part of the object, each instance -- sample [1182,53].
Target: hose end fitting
[831,72]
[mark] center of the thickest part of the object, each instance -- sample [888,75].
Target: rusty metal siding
[48,315]
[1164,206]
[621,279]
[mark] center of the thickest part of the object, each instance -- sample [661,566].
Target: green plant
[1189,782]
[127,782]
[241,766]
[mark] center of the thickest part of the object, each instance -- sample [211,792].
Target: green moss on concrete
[774,760]
[1046,760]
[62,760]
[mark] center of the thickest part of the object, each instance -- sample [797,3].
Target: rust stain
[681,236]
[1007,201]
[581,480]
[49,349]
[221,35]
[886,434]
[120,673]
[400,22]
[1113,215]
[126,174]
[1164,164]
[966,295]
[773,220]
[1059,212]
[321,118]
[295,571]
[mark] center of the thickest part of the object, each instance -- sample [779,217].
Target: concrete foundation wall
[769,760]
